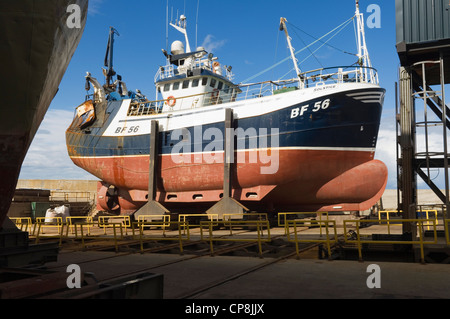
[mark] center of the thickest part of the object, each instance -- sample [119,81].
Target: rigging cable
[299,51]
[311,53]
[323,43]
[332,46]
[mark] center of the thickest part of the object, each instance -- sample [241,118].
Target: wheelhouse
[192,80]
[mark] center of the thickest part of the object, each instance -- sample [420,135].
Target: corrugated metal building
[423,31]
[422,21]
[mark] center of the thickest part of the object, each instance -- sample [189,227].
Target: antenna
[167,26]
[196,26]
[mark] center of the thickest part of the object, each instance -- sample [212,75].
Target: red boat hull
[304,180]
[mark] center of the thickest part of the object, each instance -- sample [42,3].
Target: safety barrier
[425,213]
[22,222]
[388,221]
[89,225]
[282,221]
[50,222]
[241,216]
[259,224]
[419,222]
[73,220]
[150,218]
[104,222]
[226,218]
[388,213]
[303,223]
[447,231]
[183,217]
[183,233]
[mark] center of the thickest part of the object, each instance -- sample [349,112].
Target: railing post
[296,239]
[328,240]
[82,236]
[180,235]
[422,254]
[141,236]
[210,239]
[358,236]
[258,227]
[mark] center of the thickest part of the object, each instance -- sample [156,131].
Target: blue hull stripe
[346,123]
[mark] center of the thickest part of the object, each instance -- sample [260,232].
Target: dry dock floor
[288,279]
[235,277]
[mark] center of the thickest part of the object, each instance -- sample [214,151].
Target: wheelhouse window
[195,83]
[176,86]
[186,84]
[204,81]
[213,83]
[167,87]
[220,86]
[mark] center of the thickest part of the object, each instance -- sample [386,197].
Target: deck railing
[313,79]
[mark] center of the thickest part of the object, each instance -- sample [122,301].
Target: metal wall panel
[421,21]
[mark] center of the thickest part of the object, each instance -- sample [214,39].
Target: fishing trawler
[36,46]
[305,144]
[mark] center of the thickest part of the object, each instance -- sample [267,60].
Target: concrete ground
[202,278]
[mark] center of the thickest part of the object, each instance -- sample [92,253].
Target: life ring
[171,101]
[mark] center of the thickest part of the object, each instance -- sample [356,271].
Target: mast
[363,53]
[294,59]
[181,27]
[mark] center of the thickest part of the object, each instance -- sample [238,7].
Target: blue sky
[243,34]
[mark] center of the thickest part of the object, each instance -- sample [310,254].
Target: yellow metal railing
[427,216]
[388,221]
[388,214]
[282,218]
[365,240]
[182,235]
[329,240]
[22,222]
[182,218]
[259,224]
[151,218]
[81,234]
[48,222]
[73,220]
[108,221]
[240,216]
[226,218]
[447,231]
